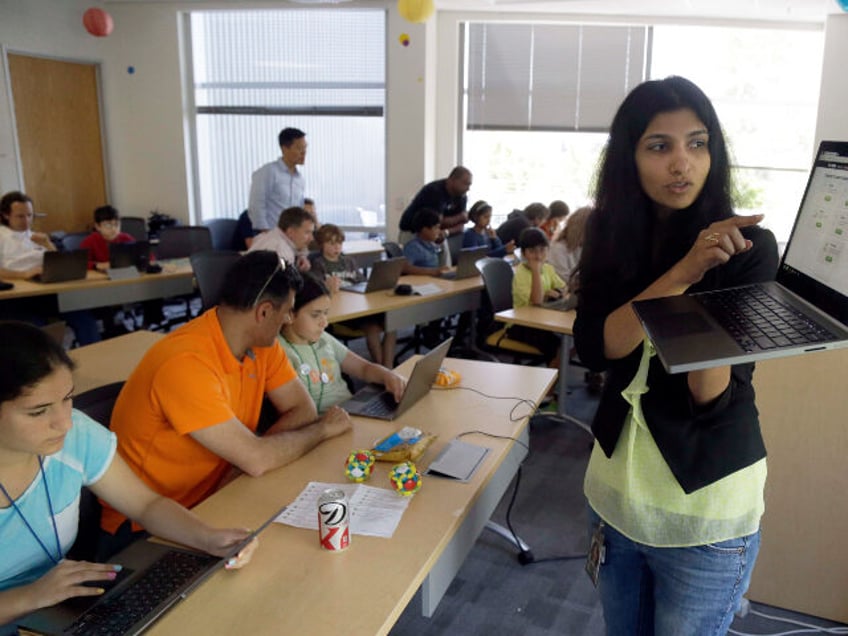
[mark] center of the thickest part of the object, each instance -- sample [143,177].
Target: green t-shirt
[522,282]
[318,365]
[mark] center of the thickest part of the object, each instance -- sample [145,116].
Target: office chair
[209,268]
[393,250]
[223,233]
[135,226]
[181,241]
[497,279]
[72,240]
[97,404]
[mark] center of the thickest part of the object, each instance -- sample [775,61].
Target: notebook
[374,401]
[458,461]
[59,267]
[809,295]
[154,578]
[466,263]
[384,275]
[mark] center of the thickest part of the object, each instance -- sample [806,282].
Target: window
[764,84]
[257,72]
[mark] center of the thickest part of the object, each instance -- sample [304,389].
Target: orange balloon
[416,10]
[97,22]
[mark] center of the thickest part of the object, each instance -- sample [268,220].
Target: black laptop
[805,309]
[59,267]
[127,260]
[154,578]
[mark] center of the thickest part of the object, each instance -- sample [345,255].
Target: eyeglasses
[281,265]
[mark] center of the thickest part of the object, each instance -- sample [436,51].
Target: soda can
[333,520]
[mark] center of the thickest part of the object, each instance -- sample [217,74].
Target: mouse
[153,268]
[403,290]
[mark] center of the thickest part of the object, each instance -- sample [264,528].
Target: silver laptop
[154,578]
[59,267]
[805,309]
[374,401]
[466,263]
[384,275]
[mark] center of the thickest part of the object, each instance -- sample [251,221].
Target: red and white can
[333,520]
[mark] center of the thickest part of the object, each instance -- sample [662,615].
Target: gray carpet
[494,594]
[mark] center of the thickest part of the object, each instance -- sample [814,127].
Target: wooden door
[57,114]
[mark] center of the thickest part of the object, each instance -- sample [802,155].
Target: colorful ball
[97,22]
[405,478]
[359,465]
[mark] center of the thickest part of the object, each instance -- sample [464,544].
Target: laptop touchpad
[681,324]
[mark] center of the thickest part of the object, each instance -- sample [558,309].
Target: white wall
[50,28]
[833,96]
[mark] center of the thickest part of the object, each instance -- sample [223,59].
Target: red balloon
[97,22]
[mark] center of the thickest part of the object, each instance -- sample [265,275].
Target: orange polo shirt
[186,382]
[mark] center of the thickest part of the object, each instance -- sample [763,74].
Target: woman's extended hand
[716,245]
[220,541]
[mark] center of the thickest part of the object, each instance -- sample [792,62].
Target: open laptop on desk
[466,263]
[126,260]
[810,293]
[154,578]
[384,275]
[374,401]
[59,267]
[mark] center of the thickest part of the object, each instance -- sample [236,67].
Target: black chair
[209,268]
[497,279]
[223,233]
[135,226]
[393,250]
[181,241]
[97,404]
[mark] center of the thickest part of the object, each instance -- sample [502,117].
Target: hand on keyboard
[72,578]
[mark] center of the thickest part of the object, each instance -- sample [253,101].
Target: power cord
[525,555]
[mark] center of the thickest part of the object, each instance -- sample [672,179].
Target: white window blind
[550,76]
[256,72]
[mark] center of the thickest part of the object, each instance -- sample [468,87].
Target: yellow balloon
[416,10]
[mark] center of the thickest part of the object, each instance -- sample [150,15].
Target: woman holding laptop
[675,481]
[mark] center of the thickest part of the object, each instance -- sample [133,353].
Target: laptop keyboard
[759,322]
[380,405]
[117,614]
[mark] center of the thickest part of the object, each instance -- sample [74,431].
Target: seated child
[107,230]
[533,283]
[319,359]
[48,451]
[482,234]
[333,267]
[557,215]
[423,256]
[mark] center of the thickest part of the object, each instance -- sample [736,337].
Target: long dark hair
[618,247]
[29,356]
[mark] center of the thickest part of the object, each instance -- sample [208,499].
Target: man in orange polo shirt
[189,411]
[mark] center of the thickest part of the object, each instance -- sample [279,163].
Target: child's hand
[441,270]
[510,247]
[491,232]
[334,283]
[101,267]
[394,383]
[553,294]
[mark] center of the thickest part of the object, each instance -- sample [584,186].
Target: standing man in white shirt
[21,249]
[278,185]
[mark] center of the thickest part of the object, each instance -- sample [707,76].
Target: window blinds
[551,76]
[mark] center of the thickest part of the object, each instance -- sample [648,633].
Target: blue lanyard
[52,517]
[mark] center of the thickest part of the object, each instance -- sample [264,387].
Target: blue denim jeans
[692,591]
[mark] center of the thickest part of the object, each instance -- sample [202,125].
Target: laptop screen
[815,265]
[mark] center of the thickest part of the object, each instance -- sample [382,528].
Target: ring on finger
[713,237]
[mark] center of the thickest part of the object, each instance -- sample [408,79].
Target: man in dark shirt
[447,197]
